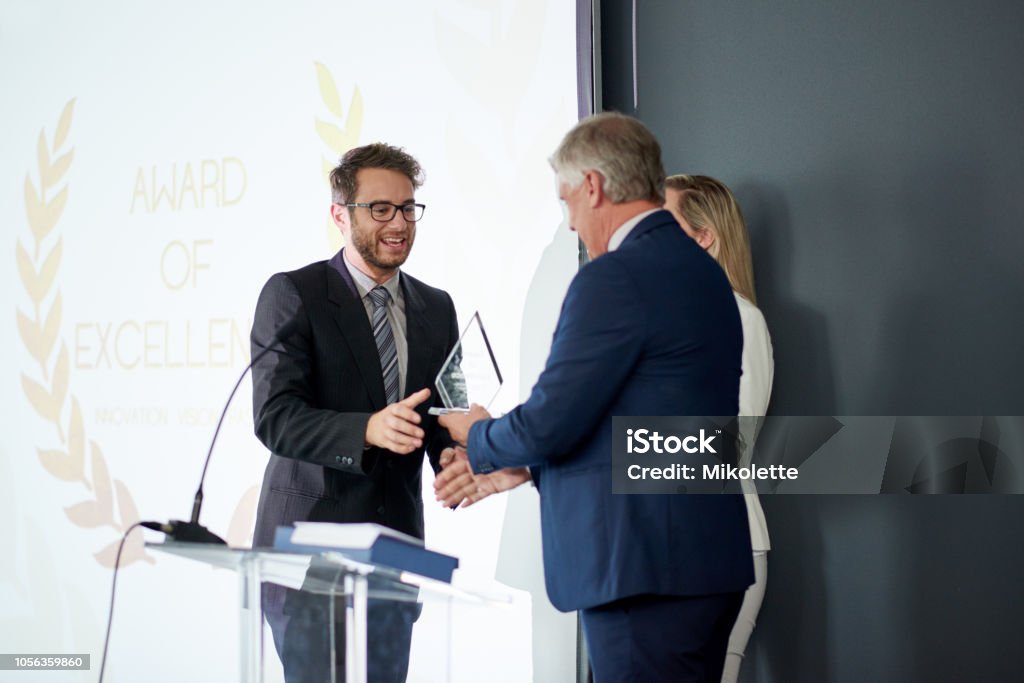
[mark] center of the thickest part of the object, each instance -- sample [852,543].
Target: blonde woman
[708,213]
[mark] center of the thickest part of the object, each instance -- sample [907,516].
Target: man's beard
[365,243]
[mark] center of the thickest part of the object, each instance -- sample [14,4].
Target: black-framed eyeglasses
[385,211]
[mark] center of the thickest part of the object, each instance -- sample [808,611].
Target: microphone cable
[113,589]
[190,531]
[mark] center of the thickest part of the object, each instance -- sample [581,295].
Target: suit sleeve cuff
[474,448]
[350,453]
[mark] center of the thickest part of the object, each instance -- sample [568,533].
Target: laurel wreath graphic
[338,137]
[39,332]
[110,504]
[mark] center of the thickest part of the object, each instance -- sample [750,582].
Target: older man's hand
[458,424]
[456,485]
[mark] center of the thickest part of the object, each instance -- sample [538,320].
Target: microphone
[192,531]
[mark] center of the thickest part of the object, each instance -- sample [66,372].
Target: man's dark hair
[376,155]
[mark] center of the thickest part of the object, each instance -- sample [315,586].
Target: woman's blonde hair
[707,204]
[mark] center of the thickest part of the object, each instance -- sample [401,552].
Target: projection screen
[159,162]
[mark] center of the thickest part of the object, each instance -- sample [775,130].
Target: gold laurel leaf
[40,399]
[59,389]
[33,206]
[43,217]
[55,207]
[27,271]
[108,556]
[76,436]
[326,167]
[48,271]
[86,514]
[59,465]
[328,91]
[125,505]
[242,520]
[134,551]
[332,136]
[354,122]
[101,483]
[64,125]
[30,335]
[51,175]
[42,157]
[51,327]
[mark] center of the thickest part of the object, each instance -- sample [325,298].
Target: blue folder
[385,550]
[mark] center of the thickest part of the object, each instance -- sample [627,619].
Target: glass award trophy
[470,374]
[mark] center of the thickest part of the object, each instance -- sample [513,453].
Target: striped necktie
[385,339]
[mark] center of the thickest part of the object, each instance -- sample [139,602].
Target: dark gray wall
[877,150]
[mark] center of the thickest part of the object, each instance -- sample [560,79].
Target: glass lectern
[351,588]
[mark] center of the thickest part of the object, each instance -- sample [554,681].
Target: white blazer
[755,391]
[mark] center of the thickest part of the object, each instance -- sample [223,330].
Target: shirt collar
[622,232]
[365,283]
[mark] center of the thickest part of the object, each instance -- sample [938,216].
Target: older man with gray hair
[648,327]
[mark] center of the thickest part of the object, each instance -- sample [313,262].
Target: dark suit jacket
[649,329]
[314,394]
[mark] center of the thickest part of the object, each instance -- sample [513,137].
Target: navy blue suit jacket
[649,329]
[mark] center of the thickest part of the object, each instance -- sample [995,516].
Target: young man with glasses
[342,402]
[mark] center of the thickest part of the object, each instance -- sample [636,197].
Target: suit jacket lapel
[350,315]
[418,335]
